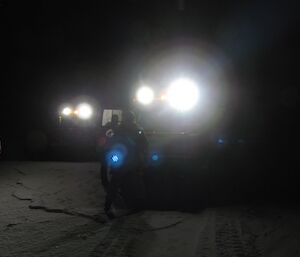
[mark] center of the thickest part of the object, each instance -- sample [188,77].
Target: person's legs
[104,175]
[140,192]
[134,190]
[111,194]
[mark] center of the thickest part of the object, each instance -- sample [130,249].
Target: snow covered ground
[55,209]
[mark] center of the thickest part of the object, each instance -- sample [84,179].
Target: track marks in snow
[229,241]
[122,238]
[221,236]
[206,238]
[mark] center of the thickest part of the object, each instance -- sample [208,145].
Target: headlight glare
[183,94]
[84,111]
[67,111]
[145,95]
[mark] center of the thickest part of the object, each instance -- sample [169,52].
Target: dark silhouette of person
[106,134]
[113,123]
[129,177]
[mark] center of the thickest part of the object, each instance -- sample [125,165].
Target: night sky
[52,51]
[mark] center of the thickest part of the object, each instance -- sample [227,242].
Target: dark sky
[52,51]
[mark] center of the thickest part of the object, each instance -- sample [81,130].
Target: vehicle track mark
[221,236]
[121,239]
[206,243]
[229,242]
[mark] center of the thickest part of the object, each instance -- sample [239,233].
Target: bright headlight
[67,111]
[145,95]
[84,111]
[183,94]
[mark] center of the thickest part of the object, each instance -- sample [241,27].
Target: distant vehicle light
[67,111]
[145,95]
[183,94]
[84,111]
[163,97]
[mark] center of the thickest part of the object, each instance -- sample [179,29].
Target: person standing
[129,176]
[107,133]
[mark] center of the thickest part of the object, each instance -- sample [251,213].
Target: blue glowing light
[154,157]
[115,158]
[221,141]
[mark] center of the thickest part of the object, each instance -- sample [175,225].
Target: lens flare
[221,141]
[154,157]
[115,158]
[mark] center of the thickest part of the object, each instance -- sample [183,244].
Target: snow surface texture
[55,209]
